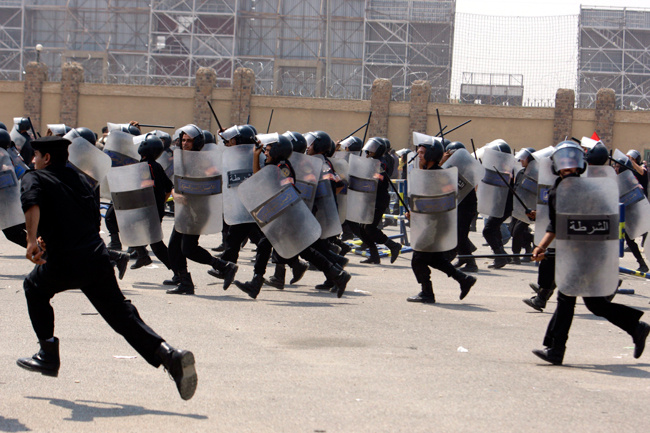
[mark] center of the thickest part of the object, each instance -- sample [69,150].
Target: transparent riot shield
[362,189]
[19,164]
[198,182]
[432,201]
[545,181]
[18,139]
[526,190]
[308,169]
[341,167]
[470,171]
[600,171]
[587,244]
[637,208]
[279,211]
[135,204]
[88,160]
[11,212]
[326,213]
[342,154]
[166,161]
[237,165]
[120,148]
[492,192]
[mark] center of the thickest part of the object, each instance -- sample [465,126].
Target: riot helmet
[568,154]
[525,154]
[3,126]
[297,140]
[635,155]
[432,152]
[22,123]
[164,137]
[243,134]
[151,147]
[86,134]
[209,138]
[454,146]
[5,139]
[278,146]
[597,155]
[376,145]
[320,143]
[352,144]
[499,145]
[195,133]
[59,129]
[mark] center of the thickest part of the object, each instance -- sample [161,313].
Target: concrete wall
[177,106]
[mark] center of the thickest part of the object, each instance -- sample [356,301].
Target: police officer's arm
[538,252]
[32,217]
[637,167]
[256,158]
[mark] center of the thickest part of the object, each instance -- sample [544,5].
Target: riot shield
[341,167]
[237,166]
[88,160]
[18,138]
[526,190]
[57,128]
[470,171]
[492,193]
[119,146]
[19,164]
[545,181]
[308,169]
[362,189]
[198,195]
[342,154]
[279,211]
[544,153]
[637,208]
[166,161]
[135,204]
[587,236]
[432,200]
[600,171]
[11,212]
[327,213]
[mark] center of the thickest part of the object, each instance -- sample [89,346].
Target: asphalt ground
[299,360]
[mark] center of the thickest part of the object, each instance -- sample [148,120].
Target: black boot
[539,302]
[180,366]
[277,279]
[470,265]
[466,282]
[548,354]
[394,248]
[174,281]
[340,279]
[327,285]
[227,271]
[46,361]
[426,296]
[373,258]
[133,252]
[143,258]
[252,288]
[298,271]
[460,262]
[120,261]
[115,243]
[186,286]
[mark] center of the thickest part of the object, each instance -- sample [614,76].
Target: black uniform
[77,259]
[522,238]
[557,333]
[492,233]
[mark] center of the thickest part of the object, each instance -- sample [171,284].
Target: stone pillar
[243,83]
[605,110]
[35,76]
[379,104]
[420,94]
[563,119]
[72,75]
[206,78]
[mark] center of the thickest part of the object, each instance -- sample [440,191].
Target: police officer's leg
[177,261]
[626,318]
[545,282]
[161,251]
[557,332]
[439,261]
[262,255]
[420,266]
[220,268]
[634,248]
[465,219]
[492,234]
[332,272]
[236,235]
[376,236]
[16,234]
[113,230]
[142,257]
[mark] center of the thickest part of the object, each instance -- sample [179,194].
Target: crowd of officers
[42,165]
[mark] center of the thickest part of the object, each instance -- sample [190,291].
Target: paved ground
[302,361]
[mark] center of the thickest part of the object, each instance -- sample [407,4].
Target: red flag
[595,136]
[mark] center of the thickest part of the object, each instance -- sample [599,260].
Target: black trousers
[371,235]
[93,274]
[111,221]
[546,271]
[634,248]
[236,235]
[492,234]
[16,234]
[421,261]
[465,218]
[160,251]
[522,238]
[557,333]
[183,247]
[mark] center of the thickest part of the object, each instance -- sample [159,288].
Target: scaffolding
[614,52]
[317,48]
